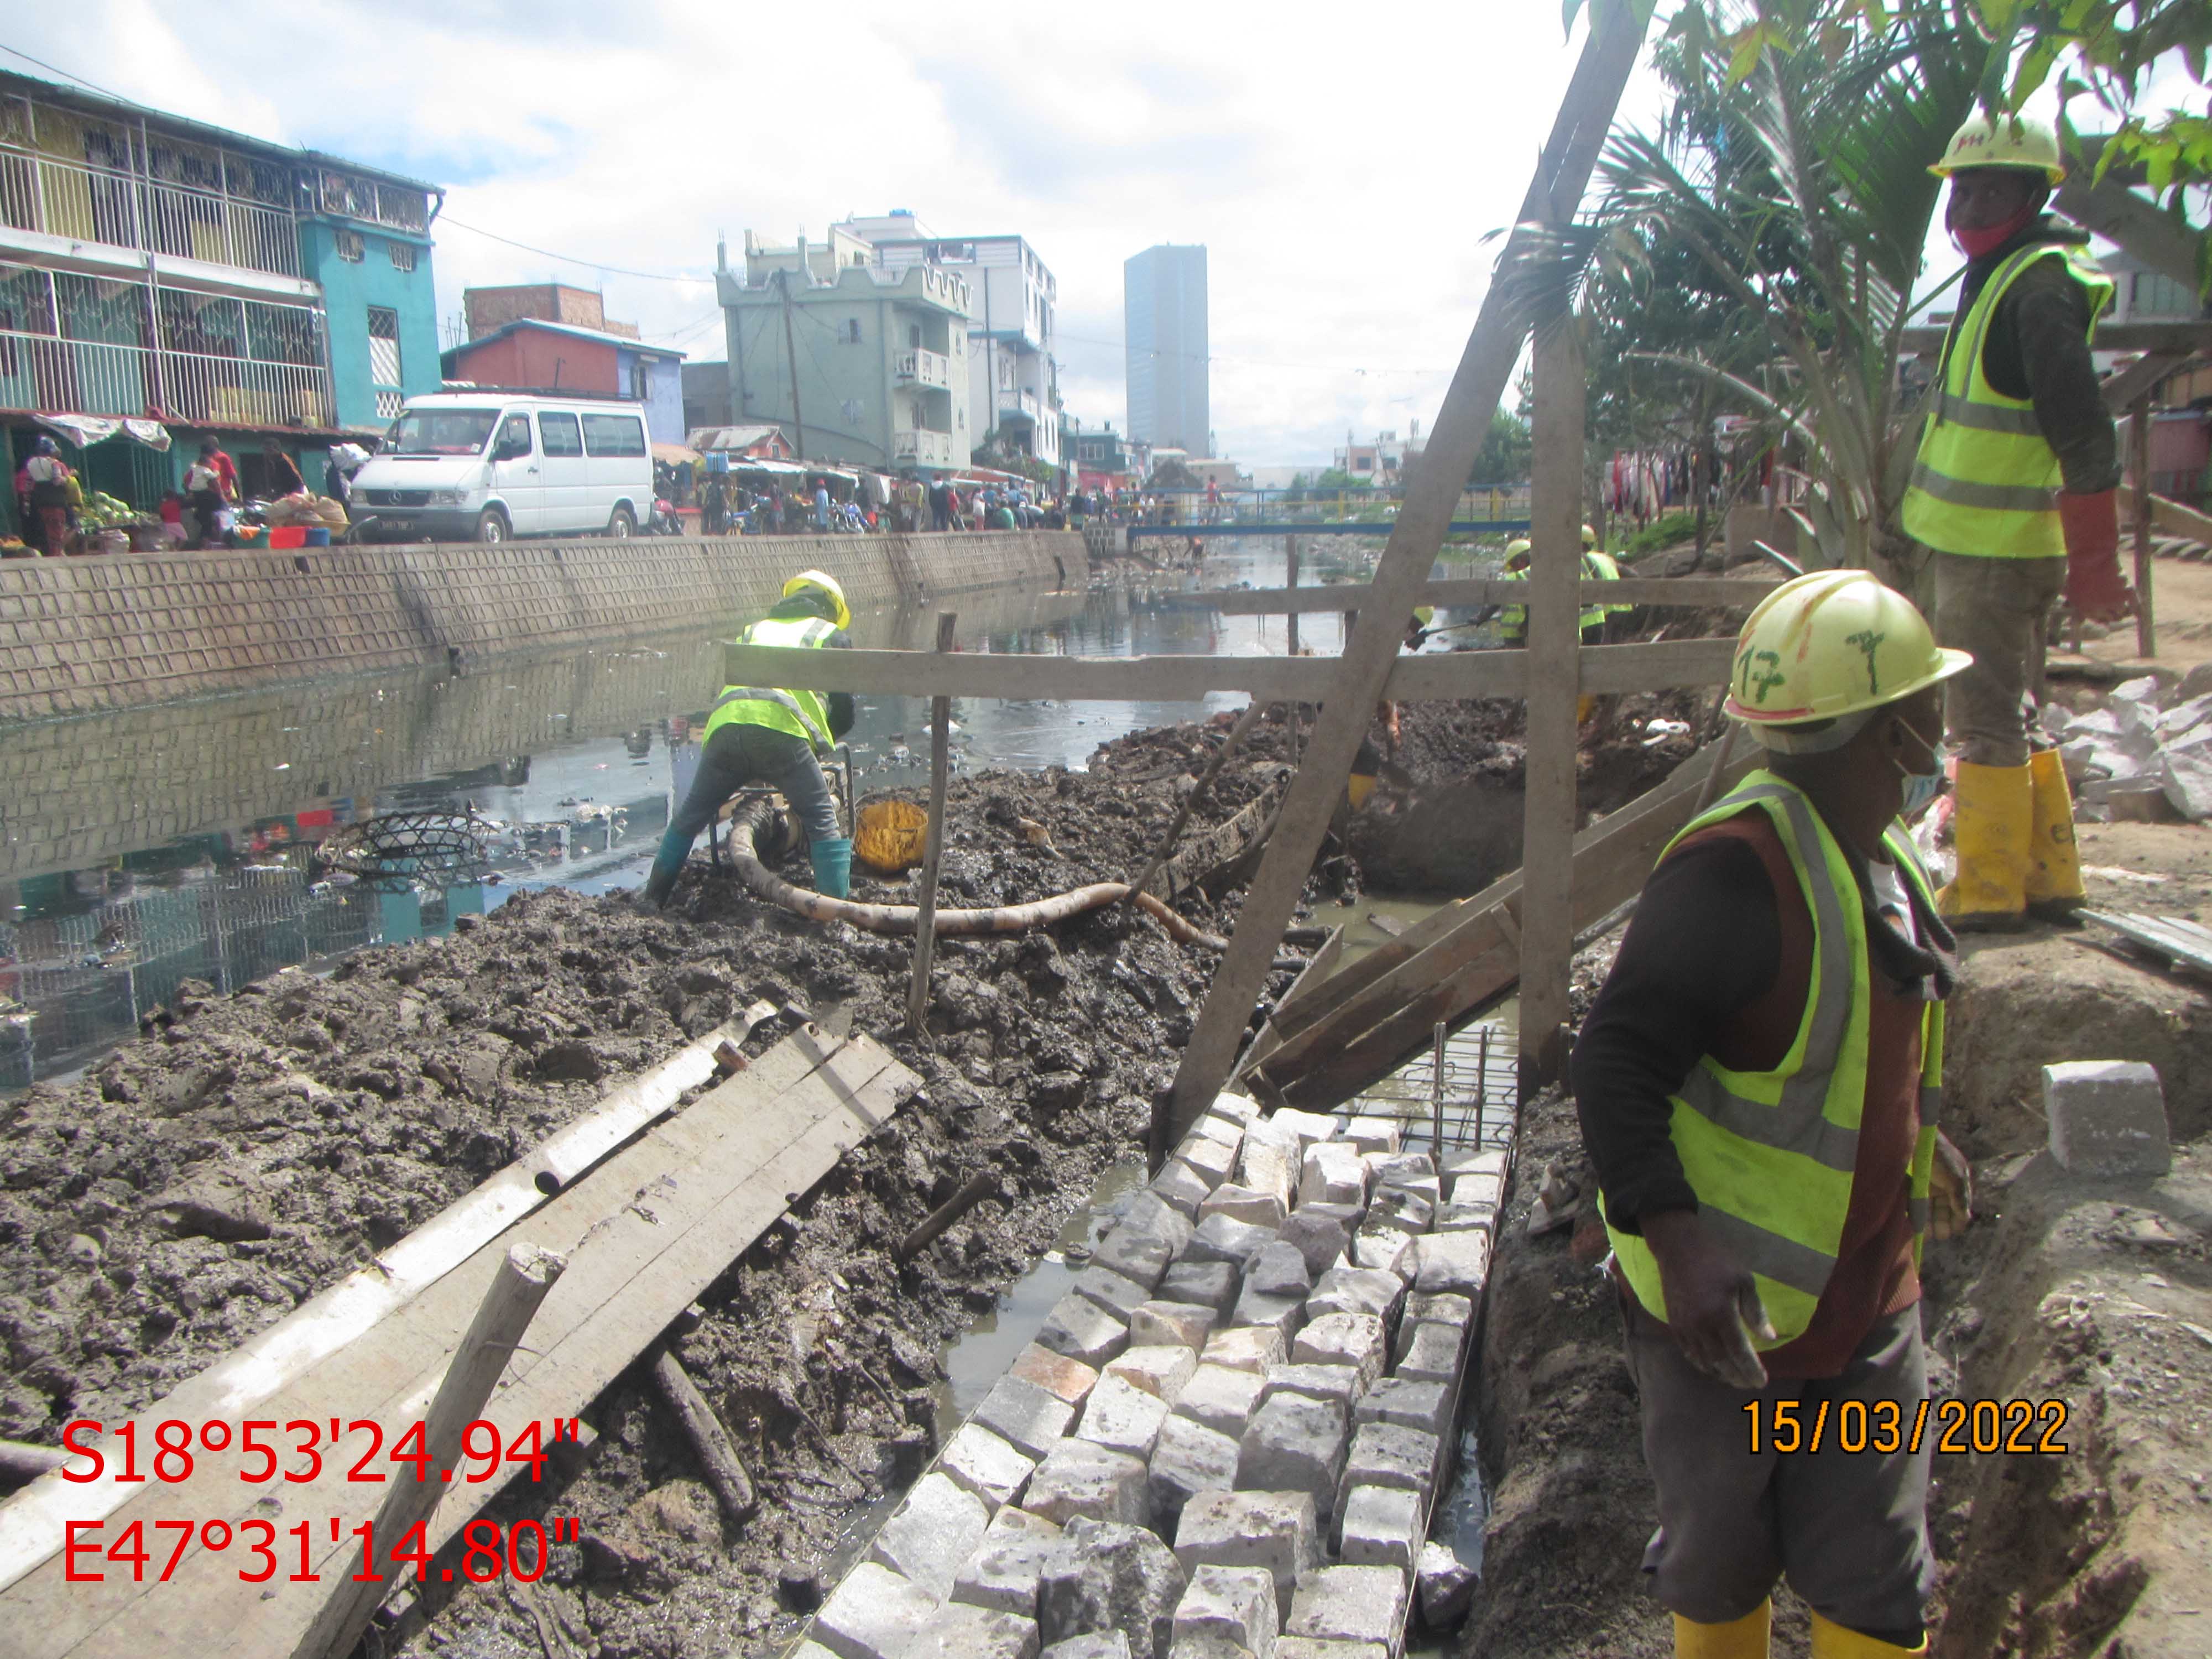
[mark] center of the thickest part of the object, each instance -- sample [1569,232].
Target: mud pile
[247,1150]
[1446,817]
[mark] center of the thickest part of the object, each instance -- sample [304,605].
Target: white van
[486,465]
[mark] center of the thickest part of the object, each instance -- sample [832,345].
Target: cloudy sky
[1343,168]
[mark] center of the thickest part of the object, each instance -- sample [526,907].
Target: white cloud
[1342,167]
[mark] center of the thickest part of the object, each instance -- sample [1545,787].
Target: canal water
[143,849]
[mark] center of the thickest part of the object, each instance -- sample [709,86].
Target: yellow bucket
[888,835]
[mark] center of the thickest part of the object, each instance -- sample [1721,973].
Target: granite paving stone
[1278,1530]
[1180,1324]
[1221,1398]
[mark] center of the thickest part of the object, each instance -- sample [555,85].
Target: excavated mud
[1446,816]
[246,1151]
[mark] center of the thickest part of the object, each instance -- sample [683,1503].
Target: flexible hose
[902,918]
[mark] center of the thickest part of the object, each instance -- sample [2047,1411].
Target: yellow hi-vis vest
[801,714]
[1770,1155]
[1513,620]
[1986,481]
[1600,567]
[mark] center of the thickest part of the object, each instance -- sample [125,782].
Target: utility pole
[791,357]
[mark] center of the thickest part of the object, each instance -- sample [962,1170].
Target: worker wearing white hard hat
[1758,1084]
[766,734]
[2014,489]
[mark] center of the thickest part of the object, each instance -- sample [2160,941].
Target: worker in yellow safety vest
[2014,489]
[1758,1084]
[1513,619]
[760,735]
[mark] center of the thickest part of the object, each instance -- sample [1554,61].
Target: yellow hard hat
[1827,645]
[1518,548]
[1589,536]
[828,584]
[2003,141]
[1424,613]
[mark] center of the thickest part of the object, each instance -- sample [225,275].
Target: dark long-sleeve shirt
[2038,349]
[1718,961]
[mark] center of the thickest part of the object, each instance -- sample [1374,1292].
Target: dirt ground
[2098,1294]
[246,1151]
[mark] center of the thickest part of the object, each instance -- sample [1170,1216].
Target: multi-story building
[186,279]
[856,361]
[1103,461]
[1164,335]
[1013,378]
[547,338]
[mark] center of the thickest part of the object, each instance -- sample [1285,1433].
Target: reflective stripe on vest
[1601,567]
[1985,480]
[1513,619]
[802,715]
[1772,1155]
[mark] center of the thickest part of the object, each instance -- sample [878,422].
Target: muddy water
[186,849]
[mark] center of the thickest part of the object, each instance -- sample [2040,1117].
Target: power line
[67,75]
[568,259]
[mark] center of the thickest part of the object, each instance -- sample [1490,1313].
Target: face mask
[1990,237]
[1922,788]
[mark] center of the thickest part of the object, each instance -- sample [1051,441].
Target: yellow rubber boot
[1739,1639]
[1832,1641]
[2054,869]
[1992,832]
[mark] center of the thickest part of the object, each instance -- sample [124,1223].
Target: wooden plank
[1431,675]
[326,1323]
[2175,520]
[1611,859]
[2141,378]
[645,1234]
[2139,444]
[933,855]
[2183,334]
[1702,592]
[1562,172]
[487,1348]
[1547,802]
[1317,969]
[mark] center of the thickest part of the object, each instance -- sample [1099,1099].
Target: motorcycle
[664,521]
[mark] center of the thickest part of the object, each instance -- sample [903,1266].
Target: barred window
[403,255]
[350,247]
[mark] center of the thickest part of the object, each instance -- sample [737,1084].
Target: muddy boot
[1992,834]
[1833,1641]
[667,864]
[833,866]
[1739,1639]
[2054,888]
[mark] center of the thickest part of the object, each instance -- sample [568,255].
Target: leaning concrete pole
[1562,172]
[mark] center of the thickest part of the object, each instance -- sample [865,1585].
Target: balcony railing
[1022,406]
[38,372]
[916,367]
[89,205]
[923,447]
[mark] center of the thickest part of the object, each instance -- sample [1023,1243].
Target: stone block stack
[1229,1436]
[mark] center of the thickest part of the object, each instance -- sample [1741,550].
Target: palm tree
[1801,185]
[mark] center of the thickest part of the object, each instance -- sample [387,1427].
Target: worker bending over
[1758,1084]
[2015,490]
[756,734]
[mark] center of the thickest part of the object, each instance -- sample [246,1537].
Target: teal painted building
[380,312]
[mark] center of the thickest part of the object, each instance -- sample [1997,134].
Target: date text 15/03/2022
[264,1449]
[489,1550]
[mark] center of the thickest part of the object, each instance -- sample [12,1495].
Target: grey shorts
[1849,1530]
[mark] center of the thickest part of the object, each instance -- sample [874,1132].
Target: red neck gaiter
[1976,243]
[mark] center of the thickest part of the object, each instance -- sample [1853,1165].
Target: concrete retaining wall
[78,635]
